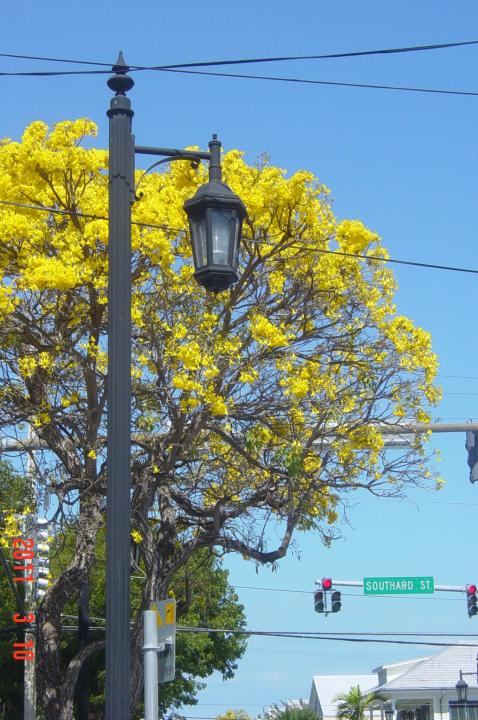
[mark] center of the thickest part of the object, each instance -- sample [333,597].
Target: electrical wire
[86,216]
[304,81]
[340,637]
[336,637]
[376,258]
[325,56]
[248,61]
[307,633]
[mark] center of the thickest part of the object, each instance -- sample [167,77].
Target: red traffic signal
[471,600]
[326,583]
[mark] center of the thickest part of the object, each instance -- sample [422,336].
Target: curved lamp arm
[170,154]
[195,162]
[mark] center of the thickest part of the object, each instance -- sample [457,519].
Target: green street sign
[398,585]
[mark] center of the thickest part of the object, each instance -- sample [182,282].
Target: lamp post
[388,711]
[215,219]
[462,689]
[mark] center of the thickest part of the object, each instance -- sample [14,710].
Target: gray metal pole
[118,504]
[83,682]
[150,655]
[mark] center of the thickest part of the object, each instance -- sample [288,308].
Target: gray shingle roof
[439,671]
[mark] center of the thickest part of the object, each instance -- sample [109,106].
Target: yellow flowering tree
[255,409]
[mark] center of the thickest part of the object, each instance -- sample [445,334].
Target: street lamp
[388,710]
[462,689]
[215,220]
[215,217]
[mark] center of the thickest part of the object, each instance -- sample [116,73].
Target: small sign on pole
[166,624]
[398,585]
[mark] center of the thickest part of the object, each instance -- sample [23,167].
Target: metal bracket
[169,155]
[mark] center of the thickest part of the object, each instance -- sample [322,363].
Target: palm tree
[290,710]
[352,704]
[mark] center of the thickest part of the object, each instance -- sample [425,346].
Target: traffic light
[336,599]
[471,600]
[326,583]
[471,445]
[319,601]
[42,560]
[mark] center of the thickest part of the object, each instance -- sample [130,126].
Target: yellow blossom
[136,536]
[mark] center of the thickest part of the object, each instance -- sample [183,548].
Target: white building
[419,689]
[326,687]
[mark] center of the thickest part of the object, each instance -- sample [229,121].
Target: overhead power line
[335,637]
[250,61]
[375,258]
[342,637]
[324,56]
[305,81]
[186,67]
[85,216]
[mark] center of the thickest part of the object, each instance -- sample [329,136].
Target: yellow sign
[170,613]
[165,614]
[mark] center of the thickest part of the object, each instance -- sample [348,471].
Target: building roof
[438,672]
[395,667]
[327,687]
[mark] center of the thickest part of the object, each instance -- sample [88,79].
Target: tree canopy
[204,599]
[256,411]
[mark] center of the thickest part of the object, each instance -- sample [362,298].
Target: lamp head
[461,689]
[215,216]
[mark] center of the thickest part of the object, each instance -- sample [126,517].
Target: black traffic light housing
[319,601]
[327,599]
[471,445]
[471,600]
[336,601]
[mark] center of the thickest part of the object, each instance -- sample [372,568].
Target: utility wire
[244,61]
[372,86]
[325,56]
[308,633]
[86,216]
[400,88]
[377,258]
[336,637]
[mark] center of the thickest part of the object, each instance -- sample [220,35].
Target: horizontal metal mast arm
[172,152]
[359,583]
[404,428]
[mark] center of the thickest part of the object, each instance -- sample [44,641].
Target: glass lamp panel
[222,222]
[198,236]
[237,240]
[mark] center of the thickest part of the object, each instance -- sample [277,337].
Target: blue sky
[404,163]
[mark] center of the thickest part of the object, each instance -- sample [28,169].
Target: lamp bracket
[173,153]
[169,155]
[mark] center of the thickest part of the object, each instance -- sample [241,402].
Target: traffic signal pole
[8,445]
[359,583]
